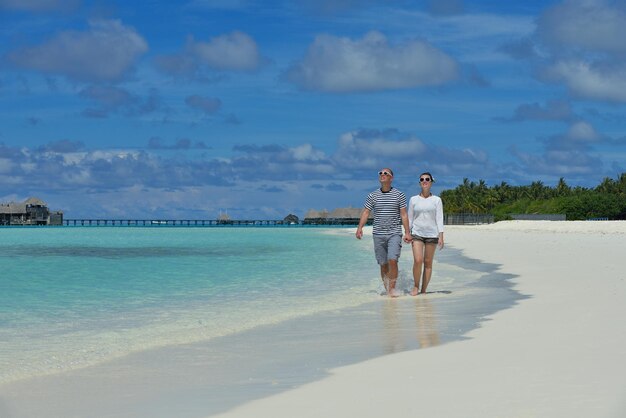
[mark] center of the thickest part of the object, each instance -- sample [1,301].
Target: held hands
[408,238]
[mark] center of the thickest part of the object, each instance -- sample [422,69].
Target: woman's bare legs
[418,261]
[429,254]
[423,255]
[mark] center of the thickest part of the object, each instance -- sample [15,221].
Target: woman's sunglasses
[424,179]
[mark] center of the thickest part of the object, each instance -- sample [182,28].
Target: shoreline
[553,352]
[271,359]
[557,353]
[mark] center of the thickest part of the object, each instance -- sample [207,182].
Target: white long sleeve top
[425,216]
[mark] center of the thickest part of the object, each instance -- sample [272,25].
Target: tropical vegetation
[606,200]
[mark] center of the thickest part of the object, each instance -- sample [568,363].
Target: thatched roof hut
[338,213]
[314,214]
[346,213]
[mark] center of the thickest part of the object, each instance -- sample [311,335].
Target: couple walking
[422,223]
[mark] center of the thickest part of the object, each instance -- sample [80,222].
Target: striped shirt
[386,207]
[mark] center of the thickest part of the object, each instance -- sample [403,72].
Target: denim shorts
[387,247]
[426,240]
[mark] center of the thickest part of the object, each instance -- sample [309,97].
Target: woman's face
[425,181]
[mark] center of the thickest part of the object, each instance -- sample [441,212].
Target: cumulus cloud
[235,51]
[579,136]
[592,25]
[289,173]
[559,162]
[583,48]
[372,149]
[337,64]
[593,80]
[570,153]
[104,53]
[267,162]
[582,132]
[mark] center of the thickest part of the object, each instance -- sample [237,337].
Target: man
[390,215]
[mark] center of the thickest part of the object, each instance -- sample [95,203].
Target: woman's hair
[432,179]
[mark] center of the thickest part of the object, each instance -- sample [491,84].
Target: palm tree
[562,189]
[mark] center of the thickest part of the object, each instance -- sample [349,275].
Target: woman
[426,224]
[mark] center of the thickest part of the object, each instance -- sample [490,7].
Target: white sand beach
[558,353]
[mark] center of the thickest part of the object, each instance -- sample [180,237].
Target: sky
[257,109]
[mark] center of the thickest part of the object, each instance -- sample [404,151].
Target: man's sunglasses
[386,173]
[424,179]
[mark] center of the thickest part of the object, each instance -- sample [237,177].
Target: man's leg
[384,275]
[392,273]
[380,250]
[394,246]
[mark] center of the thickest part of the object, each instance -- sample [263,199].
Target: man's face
[385,175]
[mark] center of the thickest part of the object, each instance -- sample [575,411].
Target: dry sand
[558,353]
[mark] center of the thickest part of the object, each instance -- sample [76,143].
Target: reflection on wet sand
[391,323]
[405,321]
[427,333]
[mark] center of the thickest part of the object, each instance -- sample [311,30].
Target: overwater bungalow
[339,216]
[32,211]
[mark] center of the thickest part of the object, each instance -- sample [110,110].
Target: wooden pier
[172,222]
[449,219]
[204,222]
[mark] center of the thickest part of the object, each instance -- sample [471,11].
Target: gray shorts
[426,240]
[387,247]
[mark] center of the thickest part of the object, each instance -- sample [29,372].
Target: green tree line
[606,200]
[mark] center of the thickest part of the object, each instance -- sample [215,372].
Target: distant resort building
[339,216]
[32,211]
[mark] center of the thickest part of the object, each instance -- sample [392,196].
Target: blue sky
[189,109]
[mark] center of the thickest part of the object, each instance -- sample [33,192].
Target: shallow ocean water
[75,297]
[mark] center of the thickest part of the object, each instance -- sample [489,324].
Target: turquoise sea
[70,297]
[73,297]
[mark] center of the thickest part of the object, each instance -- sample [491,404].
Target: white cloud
[583,132]
[595,25]
[106,52]
[589,81]
[337,64]
[374,151]
[585,48]
[233,51]
[307,152]
[560,162]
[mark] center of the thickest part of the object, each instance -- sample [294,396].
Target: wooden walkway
[172,222]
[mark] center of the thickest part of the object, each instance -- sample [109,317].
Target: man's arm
[405,224]
[364,216]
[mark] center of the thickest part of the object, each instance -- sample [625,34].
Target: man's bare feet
[393,293]
[414,291]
